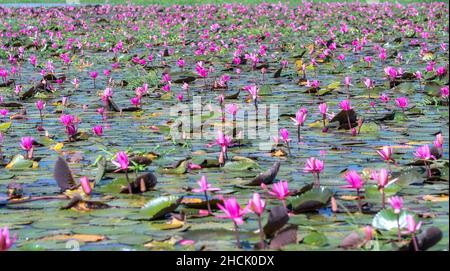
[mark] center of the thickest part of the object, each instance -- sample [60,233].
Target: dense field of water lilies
[320,126]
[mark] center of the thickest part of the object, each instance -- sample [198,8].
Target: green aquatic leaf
[387,220]
[19,163]
[315,239]
[159,207]
[265,90]
[405,88]
[181,168]
[241,164]
[370,128]
[314,199]
[373,193]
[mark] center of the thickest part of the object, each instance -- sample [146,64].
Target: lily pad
[19,163]
[373,193]
[159,207]
[312,200]
[387,220]
[265,90]
[315,239]
[241,164]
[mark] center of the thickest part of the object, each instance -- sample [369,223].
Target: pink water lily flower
[85,185]
[232,210]
[323,108]
[412,225]
[345,105]
[97,130]
[396,204]
[391,72]
[232,109]
[201,70]
[284,133]
[204,186]
[386,153]
[40,105]
[382,179]
[280,190]
[384,98]
[348,81]
[300,117]
[223,141]
[93,74]
[121,160]
[354,180]
[253,90]
[439,141]
[444,92]
[313,165]
[4,112]
[67,119]
[256,204]
[424,153]
[26,143]
[402,102]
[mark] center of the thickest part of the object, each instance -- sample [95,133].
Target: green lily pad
[411,176]
[181,168]
[400,116]
[312,200]
[405,88]
[241,164]
[315,239]
[373,193]
[433,89]
[19,163]
[114,186]
[370,128]
[387,220]
[265,90]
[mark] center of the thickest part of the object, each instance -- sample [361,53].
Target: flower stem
[428,169]
[416,246]
[359,201]
[236,229]
[128,181]
[289,148]
[261,233]
[208,203]
[30,154]
[383,199]
[399,236]
[234,126]
[348,119]
[317,179]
